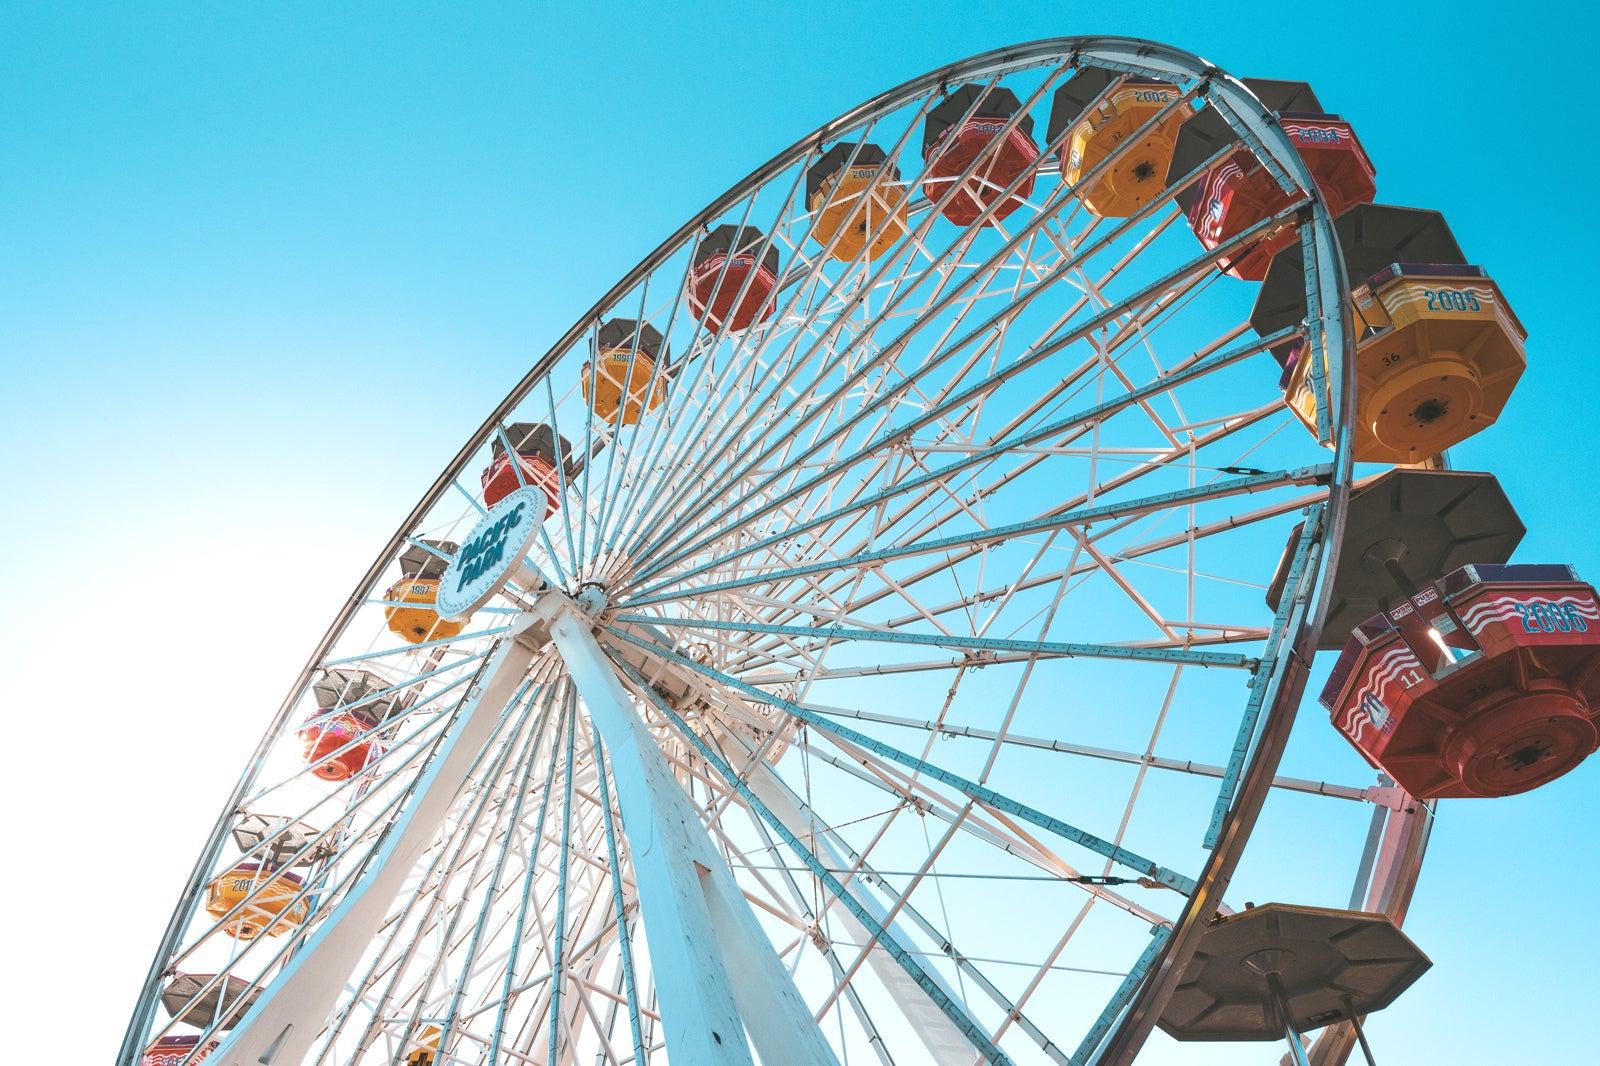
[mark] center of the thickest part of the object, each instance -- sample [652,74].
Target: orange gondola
[1440,352]
[272,908]
[1119,121]
[426,1051]
[413,619]
[628,352]
[856,195]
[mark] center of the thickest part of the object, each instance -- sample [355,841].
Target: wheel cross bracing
[898,689]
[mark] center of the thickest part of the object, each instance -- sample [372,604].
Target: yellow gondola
[1441,353]
[856,193]
[413,619]
[416,621]
[1139,172]
[272,912]
[626,358]
[426,1051]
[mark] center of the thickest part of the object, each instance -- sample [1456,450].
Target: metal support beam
[1044,649]
[280,1028]
[830,881]
[984,795]
[1119,999]
[1396,849]
[1216,490]
[716,975]
[1304,556]
[946,1045]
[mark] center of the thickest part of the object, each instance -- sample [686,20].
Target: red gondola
[965,130]
[174,1050]
[538,451]
[333,742]
[1238,192]
[1484,684]
[728,283]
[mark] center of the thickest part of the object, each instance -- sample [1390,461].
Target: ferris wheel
[870,634]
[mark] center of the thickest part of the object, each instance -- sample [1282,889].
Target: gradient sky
[263,267]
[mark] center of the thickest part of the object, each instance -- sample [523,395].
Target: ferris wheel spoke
[394,964]
[989,453]
[971,789]
[509,990]
[845,386]
[977,820]
[559,962]
[901,905]
[977,538]
[1236,424]
[1140,328]
[656,379]
[1037,648]
[528,731]
[1120,481]
[1077,256]
[878,935]
[442,860]
[835,615]
[968,967]
[851,863]
[759,650]
[786,435]
[717,413]
[867,948]
[1305,551]
[338,942]
[627,976]
[522,775]
[391,653]
[413,750]
[816,546]
[406,692]
[984,824]
[786,442]
[1123,996]
[852,995]
[1193,268]
[975,278]
[407,751]
[672,459]
[779,1024]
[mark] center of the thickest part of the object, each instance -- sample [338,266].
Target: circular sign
[491,553]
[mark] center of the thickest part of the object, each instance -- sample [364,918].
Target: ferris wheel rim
[1253,785]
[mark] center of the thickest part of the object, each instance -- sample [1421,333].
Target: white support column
[716,975]
[946,1045]
[279,1029]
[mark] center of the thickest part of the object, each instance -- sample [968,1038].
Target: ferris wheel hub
[591,599]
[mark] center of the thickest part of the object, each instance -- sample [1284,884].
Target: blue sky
[263,267]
